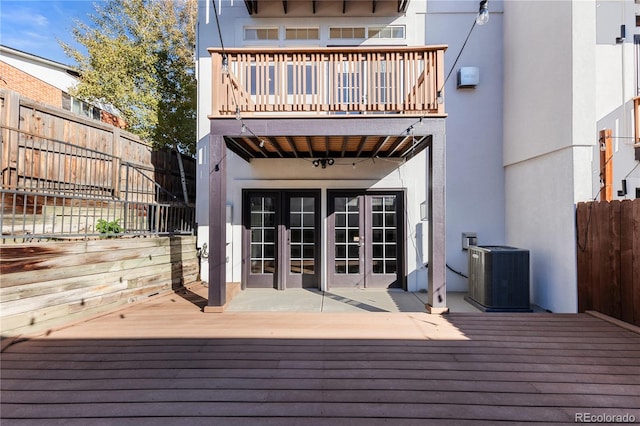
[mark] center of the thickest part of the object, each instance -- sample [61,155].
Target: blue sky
[34,26]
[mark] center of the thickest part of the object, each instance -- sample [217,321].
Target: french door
[281,239]
[366,234]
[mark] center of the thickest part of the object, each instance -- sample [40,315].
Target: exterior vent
[499,279]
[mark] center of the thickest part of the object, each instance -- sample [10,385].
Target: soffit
[270,8]
[311,147]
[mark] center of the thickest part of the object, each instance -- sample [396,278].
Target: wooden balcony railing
[359,80]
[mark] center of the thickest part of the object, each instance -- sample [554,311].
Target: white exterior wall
[616,86]
[549,136]
[572,80]
[475,176]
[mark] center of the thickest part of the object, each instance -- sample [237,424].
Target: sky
[35,26]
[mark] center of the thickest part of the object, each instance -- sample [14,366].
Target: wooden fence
[46,284]
[52,159]
[608,247]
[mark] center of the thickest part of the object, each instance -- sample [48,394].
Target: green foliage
[140,59]
[109,227]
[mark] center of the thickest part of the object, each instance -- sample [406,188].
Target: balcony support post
[437,273]
[217,225]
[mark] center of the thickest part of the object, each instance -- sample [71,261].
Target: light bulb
[225,65]
[238,116]
[261,143]
[483,13]
[243,128]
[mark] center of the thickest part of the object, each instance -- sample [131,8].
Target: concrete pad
[271,300]
[339,300]
[371,300]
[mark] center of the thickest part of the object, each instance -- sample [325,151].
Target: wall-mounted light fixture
[623,34]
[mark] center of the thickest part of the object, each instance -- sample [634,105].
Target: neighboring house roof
[56,74]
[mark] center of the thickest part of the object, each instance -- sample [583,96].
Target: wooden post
[217,225]
[437,274]
[440,79]
[217,86]
[606,165]
[11,138]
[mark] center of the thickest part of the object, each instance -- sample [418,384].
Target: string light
[481,19]
[483,13]
[225,64]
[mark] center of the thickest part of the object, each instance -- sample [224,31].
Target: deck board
[165,362]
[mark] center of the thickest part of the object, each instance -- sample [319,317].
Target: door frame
[282,250]
[401,278]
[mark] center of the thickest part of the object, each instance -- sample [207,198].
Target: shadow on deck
[163,361]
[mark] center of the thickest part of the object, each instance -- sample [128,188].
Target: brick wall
[29,86]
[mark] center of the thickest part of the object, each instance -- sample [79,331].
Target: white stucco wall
[549,137]
[616,86]
[475,176]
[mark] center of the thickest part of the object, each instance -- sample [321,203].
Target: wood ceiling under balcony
[270,8]
[311,147]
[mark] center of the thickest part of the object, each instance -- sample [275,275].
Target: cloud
[35,26]
[22,16]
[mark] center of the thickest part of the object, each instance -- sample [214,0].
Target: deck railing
[358,80]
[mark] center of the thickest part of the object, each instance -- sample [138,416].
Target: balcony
[327,81]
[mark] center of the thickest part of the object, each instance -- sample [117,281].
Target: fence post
[115,152]
[126,197]
[10,144]
[606,165]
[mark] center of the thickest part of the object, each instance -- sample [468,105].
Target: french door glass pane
[263,234]
[384,231]
[347,235]
[302,235]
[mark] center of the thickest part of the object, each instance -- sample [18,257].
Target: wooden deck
[163,361]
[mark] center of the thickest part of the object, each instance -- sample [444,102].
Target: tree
[140,59]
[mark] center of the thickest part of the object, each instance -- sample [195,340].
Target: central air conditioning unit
[499,279]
